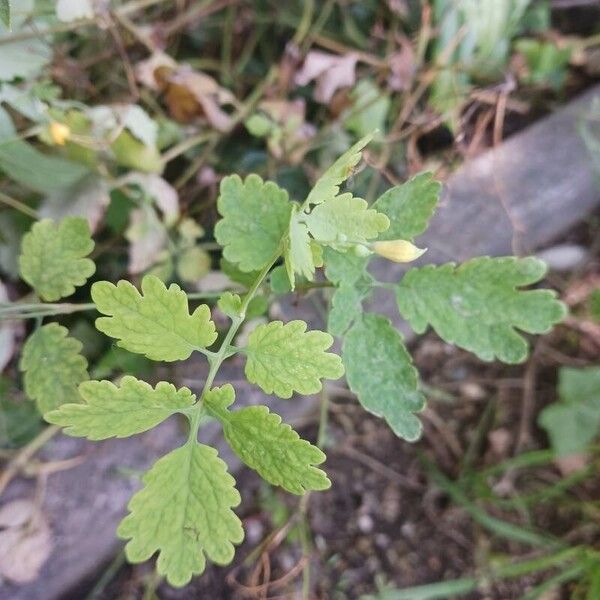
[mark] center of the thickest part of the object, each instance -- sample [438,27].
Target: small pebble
[254,531]
[563,257]
[365,523]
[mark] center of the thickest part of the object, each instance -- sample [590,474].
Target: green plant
[185,509]
[573,422]
[473,44]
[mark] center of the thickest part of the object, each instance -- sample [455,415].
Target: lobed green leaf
[328,185]
[183,512]
[409,207]
[379,371]
[52,257]
[230,304]
[573,422]
[345,219]
[283,359]
[110,411]
[298,253]
[477,305]
[267,445]
[53,367]
[256,217]
[157,323]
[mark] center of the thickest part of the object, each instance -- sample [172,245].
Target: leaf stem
[22,310]
[216,359]
[16,310]
[18,205]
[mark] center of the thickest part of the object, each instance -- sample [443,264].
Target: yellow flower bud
[399,251]
[59,133]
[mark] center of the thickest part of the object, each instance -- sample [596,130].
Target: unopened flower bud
[59,133]
[400,251]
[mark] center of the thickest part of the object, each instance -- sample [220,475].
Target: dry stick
[201,10]
[131,82]
[528,406]
[500,115]
[378,467]
[140,35]
[24,455]
[339,48]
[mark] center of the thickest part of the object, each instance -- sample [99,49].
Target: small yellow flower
[59,133]
[399,251]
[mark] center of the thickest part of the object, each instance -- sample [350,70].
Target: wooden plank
[515,198]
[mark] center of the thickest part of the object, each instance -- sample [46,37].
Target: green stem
[323,418]
[18,205]
[216,359]
[184,146]
[18,310]
[457,587]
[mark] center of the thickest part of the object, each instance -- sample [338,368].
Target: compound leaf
[230,304]
[184,513]
[345,218]
[52,257]
[328,185]
[478,307]
[409,207]
[111,411]
[157,323]
[298,253]
[573,422]
[286,358]
[53,367]
[256,216]
[267,445]
[379,371]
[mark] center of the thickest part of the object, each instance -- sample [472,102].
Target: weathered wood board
[515,198]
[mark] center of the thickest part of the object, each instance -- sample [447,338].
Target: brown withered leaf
[189,94]
[151,73]
[330,71]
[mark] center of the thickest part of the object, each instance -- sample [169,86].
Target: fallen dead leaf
[153,71]
[330,71]
[25,541]
[189,94]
